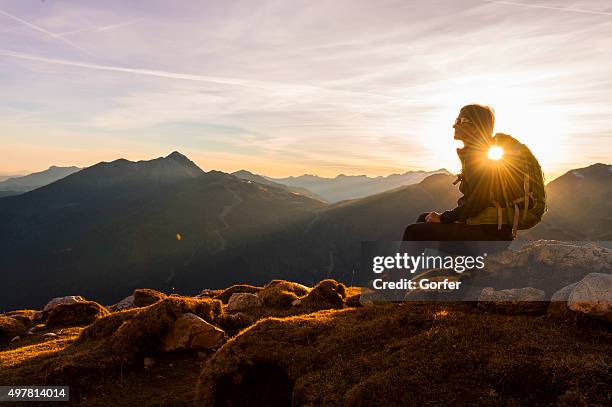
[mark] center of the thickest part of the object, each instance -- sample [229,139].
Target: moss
[146,296]
[77,314]
[10,327]
[225,295]
[326,294]
[281,293]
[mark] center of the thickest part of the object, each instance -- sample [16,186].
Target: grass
[415,353]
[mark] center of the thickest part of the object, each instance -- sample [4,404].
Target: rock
[16,338]
[191,332]
[514,300]
[547,265]
[243,302]
[71,299]
[148,362]
[226,294]
[563,294]
[126,303]
[513,294]
[593,296]
[297,302]
[558,301]
[327,294]
[75,314]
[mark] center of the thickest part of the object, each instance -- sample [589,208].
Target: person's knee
[411,232]
[421,217]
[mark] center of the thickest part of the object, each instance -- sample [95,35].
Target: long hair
[483,118]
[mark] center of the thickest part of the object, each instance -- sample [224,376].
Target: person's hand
[433,217]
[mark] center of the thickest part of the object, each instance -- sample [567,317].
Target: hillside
[344,187]
[36,180]
[330,347]
[159,223]
[580,204]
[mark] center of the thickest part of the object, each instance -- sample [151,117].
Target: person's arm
[479,176]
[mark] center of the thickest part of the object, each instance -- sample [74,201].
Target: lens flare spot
[495,153]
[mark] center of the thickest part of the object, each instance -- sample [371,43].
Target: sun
[495,153]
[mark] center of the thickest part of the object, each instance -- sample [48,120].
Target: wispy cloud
[46,32]
[350,87]
[100,28]
[545,7]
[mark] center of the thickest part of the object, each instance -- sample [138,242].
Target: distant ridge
[36,180]
[249,176]
[343,187]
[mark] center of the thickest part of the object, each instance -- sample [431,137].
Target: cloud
[541,6]
[46,32]
[349,84]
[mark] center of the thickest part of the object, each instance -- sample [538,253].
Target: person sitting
[501,181]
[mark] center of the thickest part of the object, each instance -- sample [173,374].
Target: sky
[290,87]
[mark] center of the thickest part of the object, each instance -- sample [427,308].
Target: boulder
[558,301]
[547,265]
[243,302]
[71,299]
[191,332]
[563,294]
[514,300]
[593,296]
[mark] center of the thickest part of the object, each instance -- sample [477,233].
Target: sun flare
[495,153]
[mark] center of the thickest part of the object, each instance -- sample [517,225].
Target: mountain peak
[175,155]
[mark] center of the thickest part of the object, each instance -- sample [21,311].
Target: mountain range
[344,187]
[167,224]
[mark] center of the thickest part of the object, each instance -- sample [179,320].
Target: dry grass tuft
[281,293]
[327,294]
[77,314]
[225,295]
[145,296]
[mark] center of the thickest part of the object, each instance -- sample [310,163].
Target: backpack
[518,197]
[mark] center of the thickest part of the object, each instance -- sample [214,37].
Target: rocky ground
[531,343]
